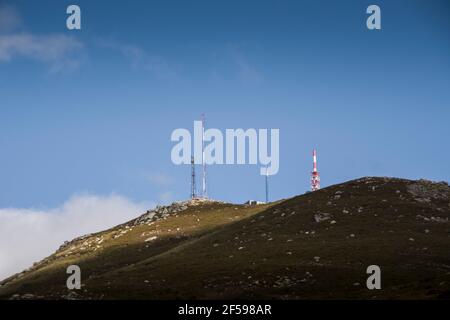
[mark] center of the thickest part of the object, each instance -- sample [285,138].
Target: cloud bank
[59,51]
[29,235]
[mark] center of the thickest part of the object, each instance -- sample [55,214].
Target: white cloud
[141,60]
[29,235]
[61,52]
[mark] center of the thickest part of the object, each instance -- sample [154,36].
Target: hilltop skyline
[86,115]
[92,111]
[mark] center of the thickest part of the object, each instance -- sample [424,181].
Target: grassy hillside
[313,246]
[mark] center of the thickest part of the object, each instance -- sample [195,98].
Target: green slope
[313,246]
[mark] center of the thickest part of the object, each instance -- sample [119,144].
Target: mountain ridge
[312,246]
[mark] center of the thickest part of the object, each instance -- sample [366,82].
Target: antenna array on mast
[193,187]
[315,176]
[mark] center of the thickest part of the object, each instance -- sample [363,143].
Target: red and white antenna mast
[315,176]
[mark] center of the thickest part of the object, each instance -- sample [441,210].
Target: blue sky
[92,111]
